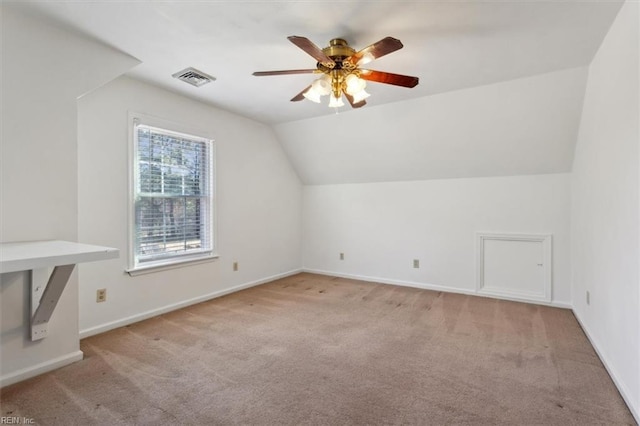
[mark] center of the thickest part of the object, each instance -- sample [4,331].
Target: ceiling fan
[339,65]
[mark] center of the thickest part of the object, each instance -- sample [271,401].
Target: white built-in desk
[37,257]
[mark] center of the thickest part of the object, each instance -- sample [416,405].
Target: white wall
[382,227]
[605,213]
[77,191]
[259,205]
[519,127]
[44,70]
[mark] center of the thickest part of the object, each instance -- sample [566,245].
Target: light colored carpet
[310,349]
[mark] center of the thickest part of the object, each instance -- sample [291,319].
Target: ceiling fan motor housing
[338,50]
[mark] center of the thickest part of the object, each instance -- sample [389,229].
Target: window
[172,193]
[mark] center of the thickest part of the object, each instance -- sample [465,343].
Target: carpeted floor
[310,349]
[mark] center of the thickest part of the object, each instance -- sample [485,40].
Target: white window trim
[179,261]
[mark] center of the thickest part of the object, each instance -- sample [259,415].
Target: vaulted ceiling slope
[449,45]
[500,93]
[519,127]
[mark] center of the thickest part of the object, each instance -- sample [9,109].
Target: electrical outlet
[235,266]
[101,295]
[341,256]
[416,263]
[588,298]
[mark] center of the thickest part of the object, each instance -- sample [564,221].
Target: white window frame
[136,268]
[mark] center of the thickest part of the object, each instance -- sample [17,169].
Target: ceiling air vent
[193,77]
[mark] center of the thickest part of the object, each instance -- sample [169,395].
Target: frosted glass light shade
[322,86]
[312,95]
[335,102]
[368,57]
[354,84]
[360,96]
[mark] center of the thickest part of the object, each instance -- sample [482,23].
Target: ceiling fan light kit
[335,102]
[340,65]
[320,87]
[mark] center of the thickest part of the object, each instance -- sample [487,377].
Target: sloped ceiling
[449,45]
[500,93]
[523,126]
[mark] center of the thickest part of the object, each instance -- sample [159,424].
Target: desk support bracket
[46,288]
[45,298]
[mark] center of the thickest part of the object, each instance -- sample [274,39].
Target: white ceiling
[449,45]
[519,127]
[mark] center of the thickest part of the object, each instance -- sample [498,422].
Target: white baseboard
[402,283]
[43,367]
[435,287]
[635,411]
[87,332]
[50,365]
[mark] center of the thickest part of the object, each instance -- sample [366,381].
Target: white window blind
[173,196]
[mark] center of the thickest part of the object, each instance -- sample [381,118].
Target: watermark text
[16,420]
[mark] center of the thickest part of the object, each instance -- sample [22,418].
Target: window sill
[149,269]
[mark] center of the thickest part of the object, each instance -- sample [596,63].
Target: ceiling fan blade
[284,72]
[353,104]
[375,51]
[313,50]
[389,78]
[300,96]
